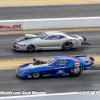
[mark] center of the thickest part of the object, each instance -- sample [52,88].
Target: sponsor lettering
[18,26]
[46,75]
[77,64]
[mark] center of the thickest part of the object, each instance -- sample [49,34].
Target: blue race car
[56,66]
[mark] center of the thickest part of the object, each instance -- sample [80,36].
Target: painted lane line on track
[46,1]
[21,63]
[96,58]
[17,62]
[27,96]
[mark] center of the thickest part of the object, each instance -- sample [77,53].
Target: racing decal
[77,64]
[29,76]
[75,43]
[18,40]
[31,66]
[60,71]
[46,75]
[65,74]
[61,46]
[21,45]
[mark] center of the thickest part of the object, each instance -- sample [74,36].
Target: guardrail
[53,23]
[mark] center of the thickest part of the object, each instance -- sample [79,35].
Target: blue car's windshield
[51,61]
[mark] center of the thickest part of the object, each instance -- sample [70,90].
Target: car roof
[54,33]
[63,57]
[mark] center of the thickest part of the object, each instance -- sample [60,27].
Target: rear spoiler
[85,58]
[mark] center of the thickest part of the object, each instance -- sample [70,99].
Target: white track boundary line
[26,96]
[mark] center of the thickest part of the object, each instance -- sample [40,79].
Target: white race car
[48,40]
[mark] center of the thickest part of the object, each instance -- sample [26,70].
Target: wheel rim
[30,48]
[36,75]
[76,70]
[67,44]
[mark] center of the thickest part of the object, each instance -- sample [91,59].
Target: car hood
[25,41]
[26,68]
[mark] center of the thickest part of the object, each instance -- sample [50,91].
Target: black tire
[36,75]
[79,70]
[31,48]
[66,46]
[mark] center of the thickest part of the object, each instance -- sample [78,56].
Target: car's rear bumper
[88,66]
[77,44]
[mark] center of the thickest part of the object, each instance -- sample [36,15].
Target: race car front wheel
[31,48]
[36,75]
[66,46]
[76,71]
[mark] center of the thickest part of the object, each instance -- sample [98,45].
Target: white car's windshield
[51,61]
[42,35]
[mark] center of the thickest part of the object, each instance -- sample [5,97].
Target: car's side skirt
[62,74]
[48,48]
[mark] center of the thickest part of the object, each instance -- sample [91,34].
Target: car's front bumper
[23,75]
[18,48]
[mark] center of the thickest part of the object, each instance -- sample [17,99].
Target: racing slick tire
[36,75]
[66,46]
[31,48]
[76,71]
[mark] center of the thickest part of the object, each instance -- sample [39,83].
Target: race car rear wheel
[36,75]
[76,71]
[66,46]
[31,48]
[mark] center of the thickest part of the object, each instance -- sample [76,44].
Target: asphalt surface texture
[6,43]
[88,80]
[38,12]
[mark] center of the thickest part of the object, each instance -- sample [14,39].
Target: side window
[48,38]
[63,62]
[61,37]
[54,37]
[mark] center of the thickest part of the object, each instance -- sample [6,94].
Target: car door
[60,69]
[47,72]
[52,41]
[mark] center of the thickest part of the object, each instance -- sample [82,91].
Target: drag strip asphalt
[6,47]
[88,80]
[38,12]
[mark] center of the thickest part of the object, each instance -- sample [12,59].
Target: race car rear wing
[85,58]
